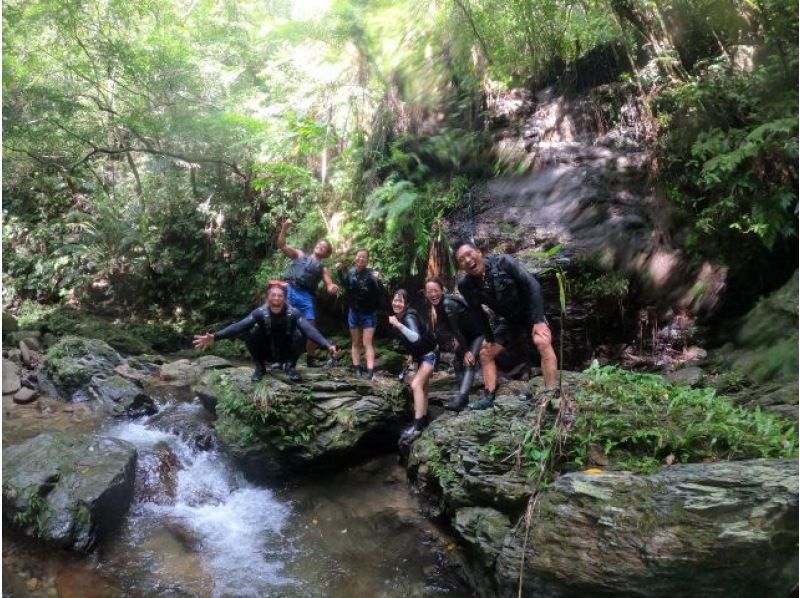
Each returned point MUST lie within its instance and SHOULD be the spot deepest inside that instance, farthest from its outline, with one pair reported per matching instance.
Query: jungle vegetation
(151, 150)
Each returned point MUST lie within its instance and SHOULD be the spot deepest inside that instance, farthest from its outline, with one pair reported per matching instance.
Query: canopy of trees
(152, 149)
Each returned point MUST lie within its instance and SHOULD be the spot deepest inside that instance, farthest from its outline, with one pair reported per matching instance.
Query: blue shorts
(431, 358)
(357, 319)
(301, 299)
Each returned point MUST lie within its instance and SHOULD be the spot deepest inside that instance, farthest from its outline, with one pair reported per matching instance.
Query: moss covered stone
(276, 426)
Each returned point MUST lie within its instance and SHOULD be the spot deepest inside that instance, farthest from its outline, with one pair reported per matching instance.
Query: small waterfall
(192, 508)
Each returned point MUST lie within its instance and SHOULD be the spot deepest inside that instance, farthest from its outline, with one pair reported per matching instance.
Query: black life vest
(305, 273)
(363, 291)
(426, 343)
(268, 320)
(499, 291)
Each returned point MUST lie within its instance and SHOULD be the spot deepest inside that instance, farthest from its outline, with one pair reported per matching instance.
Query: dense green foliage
(640, 422)
(152, 150)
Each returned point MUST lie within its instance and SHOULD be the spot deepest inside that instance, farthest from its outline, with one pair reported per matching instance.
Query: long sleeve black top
(283, 323)
(507, 289)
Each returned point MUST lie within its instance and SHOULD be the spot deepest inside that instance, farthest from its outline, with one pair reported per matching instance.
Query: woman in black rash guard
(454, 321)
(418, 341)
(275, 332)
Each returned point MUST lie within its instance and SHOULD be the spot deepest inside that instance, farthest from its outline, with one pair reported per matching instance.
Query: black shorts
(508, 333)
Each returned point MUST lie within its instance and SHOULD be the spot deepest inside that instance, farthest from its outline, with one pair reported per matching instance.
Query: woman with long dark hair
(418, 340)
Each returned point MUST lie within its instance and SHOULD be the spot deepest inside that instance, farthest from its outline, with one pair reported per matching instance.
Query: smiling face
(433, 292)
(362, 259)
(470, 260)
(276, 299)
(322, 249)
(398, 304)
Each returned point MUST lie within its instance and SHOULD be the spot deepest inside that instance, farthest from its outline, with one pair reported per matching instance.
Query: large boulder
(79, 369)
(713, 528)
(275, 426)
(701, 529)
(69, 366)
(68, 489)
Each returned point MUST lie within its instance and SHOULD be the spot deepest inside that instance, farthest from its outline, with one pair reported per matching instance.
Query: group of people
(278, 331)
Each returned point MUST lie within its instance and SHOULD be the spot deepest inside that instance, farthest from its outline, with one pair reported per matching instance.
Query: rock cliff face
(716, 528)
(578, 175)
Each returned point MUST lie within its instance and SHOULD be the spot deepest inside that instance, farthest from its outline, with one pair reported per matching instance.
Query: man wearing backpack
(515, 296)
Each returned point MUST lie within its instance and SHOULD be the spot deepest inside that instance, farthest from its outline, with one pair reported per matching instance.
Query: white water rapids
(235, 528)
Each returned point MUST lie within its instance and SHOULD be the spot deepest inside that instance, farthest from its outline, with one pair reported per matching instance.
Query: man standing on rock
(515, 296)
(275, 333)
(303, 277)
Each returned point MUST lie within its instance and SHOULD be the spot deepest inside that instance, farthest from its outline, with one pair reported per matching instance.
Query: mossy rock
(69, 490)
(69, 366)
(328, 419)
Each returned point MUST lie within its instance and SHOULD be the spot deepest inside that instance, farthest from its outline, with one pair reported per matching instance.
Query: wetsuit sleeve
(409, 333)
(237, 327)
(410, 328)
(312, 333)
(529, 287)
(467, 290)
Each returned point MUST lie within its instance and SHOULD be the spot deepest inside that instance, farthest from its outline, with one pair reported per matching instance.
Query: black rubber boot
(457, 403)
(259, 372)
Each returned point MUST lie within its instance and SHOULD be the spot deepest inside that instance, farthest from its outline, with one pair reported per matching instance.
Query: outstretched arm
(202, 341)
(287, 250)
(315, 335)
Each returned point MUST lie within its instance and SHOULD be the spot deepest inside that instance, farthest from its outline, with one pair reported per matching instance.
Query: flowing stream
(197, 527)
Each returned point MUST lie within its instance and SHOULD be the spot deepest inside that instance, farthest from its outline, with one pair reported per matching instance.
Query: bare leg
(355, 348)
(419, 388)
(489, 353)
(542, 338)
(368, 334)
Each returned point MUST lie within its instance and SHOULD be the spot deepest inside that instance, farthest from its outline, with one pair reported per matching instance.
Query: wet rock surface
(329, 418)
(67, 489)
(578, 176)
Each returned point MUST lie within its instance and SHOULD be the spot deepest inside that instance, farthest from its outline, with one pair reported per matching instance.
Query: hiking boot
(356, 369)
(369, 374)
(259, 372)
(329, 363)
(311, 362)
(457, 403)
(484, 403)
(276, 365)
(292, 373)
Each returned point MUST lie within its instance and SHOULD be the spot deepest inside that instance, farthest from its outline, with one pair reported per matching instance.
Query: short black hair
(461, 244)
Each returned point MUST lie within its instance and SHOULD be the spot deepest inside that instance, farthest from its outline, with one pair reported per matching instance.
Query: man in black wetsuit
(514, 295)
(275, 332)
(304, 277)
